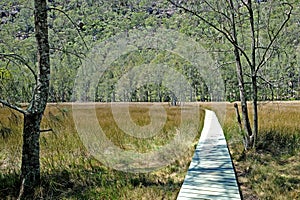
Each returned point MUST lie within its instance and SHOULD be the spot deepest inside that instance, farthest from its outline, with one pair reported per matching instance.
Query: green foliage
(99, 20)
(143, 86)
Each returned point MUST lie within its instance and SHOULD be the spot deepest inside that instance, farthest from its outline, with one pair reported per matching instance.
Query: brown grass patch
(69, 171)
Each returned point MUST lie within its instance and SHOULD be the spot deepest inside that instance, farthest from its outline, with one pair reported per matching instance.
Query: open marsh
(70, 171)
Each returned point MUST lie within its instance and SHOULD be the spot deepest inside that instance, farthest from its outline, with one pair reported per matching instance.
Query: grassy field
(69, 171)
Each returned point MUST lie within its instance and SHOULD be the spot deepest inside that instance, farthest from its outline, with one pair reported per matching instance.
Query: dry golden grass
(140, 115)
(272, 171)
(69, 171)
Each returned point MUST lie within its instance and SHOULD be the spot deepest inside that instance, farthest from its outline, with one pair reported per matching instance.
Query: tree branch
(266, 81)
(68, 52)
(266, 59)
(275, 36)
(245, 4)
(227, 36)
(224, 64)
(16, 108)
(217, 11)
(47, 130)
(75, 25)
(253, 42)
(19, 58)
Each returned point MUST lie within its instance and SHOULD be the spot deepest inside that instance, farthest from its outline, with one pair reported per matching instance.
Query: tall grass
(69, 171)
(272, 170)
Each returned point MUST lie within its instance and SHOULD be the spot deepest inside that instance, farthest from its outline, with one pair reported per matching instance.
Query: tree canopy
(75, 26)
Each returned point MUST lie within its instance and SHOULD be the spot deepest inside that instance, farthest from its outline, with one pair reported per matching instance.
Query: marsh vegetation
(69, 171)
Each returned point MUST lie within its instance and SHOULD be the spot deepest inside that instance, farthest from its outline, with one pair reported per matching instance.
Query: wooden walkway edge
(211, 174)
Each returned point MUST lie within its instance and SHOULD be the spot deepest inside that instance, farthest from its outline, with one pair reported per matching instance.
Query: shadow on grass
(97, 183)
(278, 144)
(9, 185)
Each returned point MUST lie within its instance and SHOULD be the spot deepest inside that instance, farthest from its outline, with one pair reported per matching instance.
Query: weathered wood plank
(211, 174)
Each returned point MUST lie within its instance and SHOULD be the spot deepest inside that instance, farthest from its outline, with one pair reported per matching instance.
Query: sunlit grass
(69, 171)
(272, 171)
(140, 116)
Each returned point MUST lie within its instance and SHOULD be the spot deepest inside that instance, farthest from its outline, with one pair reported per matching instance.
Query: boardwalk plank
(211, 174)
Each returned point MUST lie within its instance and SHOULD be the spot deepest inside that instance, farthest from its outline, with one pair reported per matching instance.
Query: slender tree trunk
(253, 74)
(245, 115)
(240, 75)
(30, 169)
(255, 111)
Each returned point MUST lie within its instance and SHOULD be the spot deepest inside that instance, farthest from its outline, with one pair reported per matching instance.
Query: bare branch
(217, 11)
(275, 37)
(228, 37)
(253, 42)
(266, 81)
(224, 32)
(271, 48)
(266, 59)
(225, 64)
(16, 108)
(21, 189)
(68, 52)
(21, 59)
(245, 4)
(75, 25)
(47, 130)
(258, 30)
(234, 34)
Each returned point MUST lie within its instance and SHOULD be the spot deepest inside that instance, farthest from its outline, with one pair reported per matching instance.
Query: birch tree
(30, 169)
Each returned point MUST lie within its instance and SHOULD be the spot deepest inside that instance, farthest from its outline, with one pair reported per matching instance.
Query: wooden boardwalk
(211, 174)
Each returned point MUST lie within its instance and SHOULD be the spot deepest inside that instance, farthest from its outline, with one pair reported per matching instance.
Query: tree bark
(238, 117)
(240, 75)
(254, 75)
(255, 111)
(30, 169)
(245, 115)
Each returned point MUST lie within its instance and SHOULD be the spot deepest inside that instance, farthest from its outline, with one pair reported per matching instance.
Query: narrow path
(211, 174)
